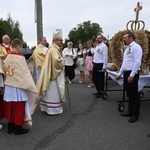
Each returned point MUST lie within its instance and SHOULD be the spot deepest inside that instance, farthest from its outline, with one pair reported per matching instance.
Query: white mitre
(57, 34)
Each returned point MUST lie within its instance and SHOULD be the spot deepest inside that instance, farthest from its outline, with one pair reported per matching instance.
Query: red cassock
(14, 112)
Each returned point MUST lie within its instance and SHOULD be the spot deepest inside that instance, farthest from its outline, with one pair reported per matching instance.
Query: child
(18, 103)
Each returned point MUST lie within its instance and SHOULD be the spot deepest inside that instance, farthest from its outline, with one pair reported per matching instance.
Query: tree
(12, 28)
(83, 32)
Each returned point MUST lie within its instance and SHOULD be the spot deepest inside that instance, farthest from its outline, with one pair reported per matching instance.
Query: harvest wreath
(142, 38)
(117, 48)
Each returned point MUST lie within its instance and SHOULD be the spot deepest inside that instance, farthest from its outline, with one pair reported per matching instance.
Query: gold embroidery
(9, 70)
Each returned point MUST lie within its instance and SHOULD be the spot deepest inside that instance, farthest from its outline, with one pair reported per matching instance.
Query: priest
(1, 92)
(3, 55)
(37, 58)
(51, 85)
(6, 43)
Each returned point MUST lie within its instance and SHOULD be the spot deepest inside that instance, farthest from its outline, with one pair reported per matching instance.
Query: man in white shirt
(99, 67)
(130, 69)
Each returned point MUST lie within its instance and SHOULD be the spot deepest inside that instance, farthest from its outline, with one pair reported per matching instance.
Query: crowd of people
(50, 68)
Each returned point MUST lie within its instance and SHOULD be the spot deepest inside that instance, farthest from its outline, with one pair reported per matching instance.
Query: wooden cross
(137, 9)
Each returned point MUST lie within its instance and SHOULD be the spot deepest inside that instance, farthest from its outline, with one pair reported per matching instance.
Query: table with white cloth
(143, 81)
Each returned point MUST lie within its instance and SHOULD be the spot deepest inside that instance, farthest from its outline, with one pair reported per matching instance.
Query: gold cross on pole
(137, 9)
(136, 24)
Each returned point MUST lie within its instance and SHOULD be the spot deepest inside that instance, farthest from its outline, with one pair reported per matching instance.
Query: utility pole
(39, 19)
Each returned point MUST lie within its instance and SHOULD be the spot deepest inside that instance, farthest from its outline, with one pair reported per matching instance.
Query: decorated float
(142, 38)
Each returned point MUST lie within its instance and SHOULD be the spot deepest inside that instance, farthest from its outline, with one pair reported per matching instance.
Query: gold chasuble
(38, 57)
(18, 75)
(3, 53)
(52, 69)
(1, 67)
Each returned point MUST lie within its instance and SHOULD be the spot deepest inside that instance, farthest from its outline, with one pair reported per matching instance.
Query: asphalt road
(89, 124)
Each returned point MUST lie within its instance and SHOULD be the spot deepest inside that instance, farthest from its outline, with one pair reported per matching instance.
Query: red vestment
(7, 48)
(14, 112)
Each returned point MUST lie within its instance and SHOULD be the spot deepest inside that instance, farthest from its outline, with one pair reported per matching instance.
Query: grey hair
(5, 36)
(70, 43)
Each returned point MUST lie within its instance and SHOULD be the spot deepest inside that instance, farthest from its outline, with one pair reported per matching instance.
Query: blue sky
(112, 15)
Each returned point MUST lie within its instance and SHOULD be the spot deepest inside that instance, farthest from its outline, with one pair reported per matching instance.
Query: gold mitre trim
(57, 34)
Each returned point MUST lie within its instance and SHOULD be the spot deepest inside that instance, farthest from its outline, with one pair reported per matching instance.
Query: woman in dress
(89, 61)
(81, 62)
(69, 54)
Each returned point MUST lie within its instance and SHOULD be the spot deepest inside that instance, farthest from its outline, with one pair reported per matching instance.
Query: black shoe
(133, 119)
(148, 135)
(96, 93)
(10, 128)
(125, 114)
(98, 96)
(19, 130)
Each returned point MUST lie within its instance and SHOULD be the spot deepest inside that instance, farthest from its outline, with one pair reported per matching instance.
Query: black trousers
(70, 73)
(132, 93)
(98, 77)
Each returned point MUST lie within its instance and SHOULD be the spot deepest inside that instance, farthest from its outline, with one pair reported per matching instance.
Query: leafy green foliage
(11, 28)
(84, 32)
